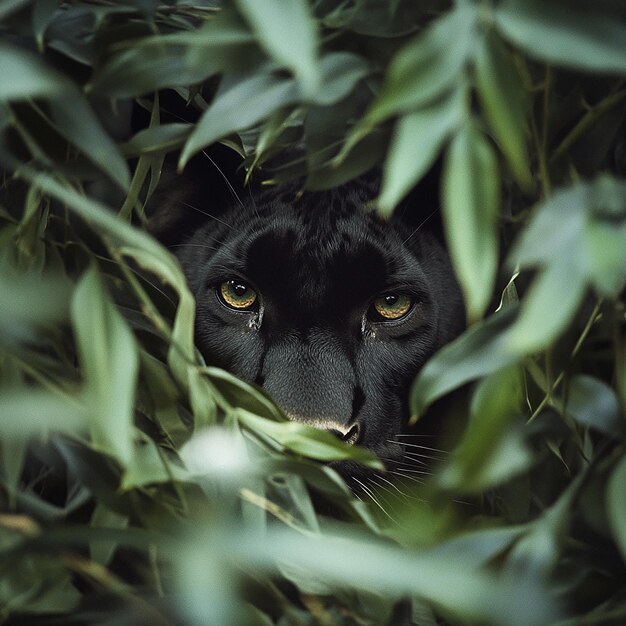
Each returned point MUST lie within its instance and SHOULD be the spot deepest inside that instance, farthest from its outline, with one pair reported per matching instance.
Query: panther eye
(392, 306)
(236, 294)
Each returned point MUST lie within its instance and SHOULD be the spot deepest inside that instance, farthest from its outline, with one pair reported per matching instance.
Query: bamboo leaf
(471, 197)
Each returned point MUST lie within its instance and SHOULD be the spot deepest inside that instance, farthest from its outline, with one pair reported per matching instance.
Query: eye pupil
(391, 306)
(238, 289)
(237, 295)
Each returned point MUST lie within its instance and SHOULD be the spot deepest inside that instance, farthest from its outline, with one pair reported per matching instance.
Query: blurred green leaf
(28, 413)
(479, 351)
(108, 357)
(503, 101)
(471, 196)
(593, 403)
(492, 449)
(549, 305)
(562, 238)
(177, 59)
(25, 76)
(341, 71)
(287, 31)
(417, 140)
(615, 505)
(575, 34)
(427, 66)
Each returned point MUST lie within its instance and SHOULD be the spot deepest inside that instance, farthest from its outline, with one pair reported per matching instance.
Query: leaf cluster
(138, 485)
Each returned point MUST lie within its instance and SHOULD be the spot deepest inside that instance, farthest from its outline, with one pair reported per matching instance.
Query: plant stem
(587, 121)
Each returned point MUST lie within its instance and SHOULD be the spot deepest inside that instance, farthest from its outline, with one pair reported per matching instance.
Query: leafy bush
(140, 486)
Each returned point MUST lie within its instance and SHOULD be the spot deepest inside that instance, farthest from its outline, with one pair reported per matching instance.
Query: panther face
(327, 307)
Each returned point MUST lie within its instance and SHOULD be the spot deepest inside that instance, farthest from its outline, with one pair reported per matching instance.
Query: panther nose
(347, 434)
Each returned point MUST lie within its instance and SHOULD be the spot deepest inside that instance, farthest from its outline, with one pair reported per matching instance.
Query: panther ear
(182, 200)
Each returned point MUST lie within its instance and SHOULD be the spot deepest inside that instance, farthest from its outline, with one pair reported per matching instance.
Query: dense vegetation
(139, 486)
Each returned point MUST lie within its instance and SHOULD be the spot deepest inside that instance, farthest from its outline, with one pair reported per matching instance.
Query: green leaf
(28, 413)
(415, 144)
(287, 31)
(177, 59)
(593, 403)
(492, 450)
(504, 102)
(479, 351)
(548, 306)
(108, 358)
(427, 66)
(238, 107)
(306, 440)
(471, 197)
(341, 71)
(25, 76)
(75, 119)
(157, 139)
(588, 36)
(616, 511)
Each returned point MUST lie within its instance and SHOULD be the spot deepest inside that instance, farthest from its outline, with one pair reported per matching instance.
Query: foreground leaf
(108, 358)
(471, 196)
(575, 34)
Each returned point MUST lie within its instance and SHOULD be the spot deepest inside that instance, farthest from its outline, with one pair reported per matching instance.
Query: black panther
(328, 307)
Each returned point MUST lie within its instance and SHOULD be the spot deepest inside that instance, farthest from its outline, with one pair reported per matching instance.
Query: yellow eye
(392, 306)
(237, 295)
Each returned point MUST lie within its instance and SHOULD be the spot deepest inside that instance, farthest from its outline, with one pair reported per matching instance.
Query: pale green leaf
(238, 107)
(471, 198)
(108, 359)
(593, 403)
(479, 351)
(548, 306)
(417, 140)
(288, 33)
(24, 75)
(427, 66)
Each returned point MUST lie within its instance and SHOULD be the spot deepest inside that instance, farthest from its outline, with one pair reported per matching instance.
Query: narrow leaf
(108, 358)
(471, 196)
(415, 144)
(576, 34)
(287, 31)
(503, 101)
(238, 108)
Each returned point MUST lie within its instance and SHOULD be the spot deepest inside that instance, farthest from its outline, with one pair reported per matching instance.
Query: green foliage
(138, 485)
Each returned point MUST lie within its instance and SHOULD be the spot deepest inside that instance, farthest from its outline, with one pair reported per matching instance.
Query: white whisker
(370, 493)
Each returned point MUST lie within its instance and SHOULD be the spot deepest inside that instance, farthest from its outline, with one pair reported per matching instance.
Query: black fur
(317, 262)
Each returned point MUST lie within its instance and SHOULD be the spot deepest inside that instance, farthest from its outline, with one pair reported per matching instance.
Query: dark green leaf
(616, 510)
(575, 34)
(503, 101)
